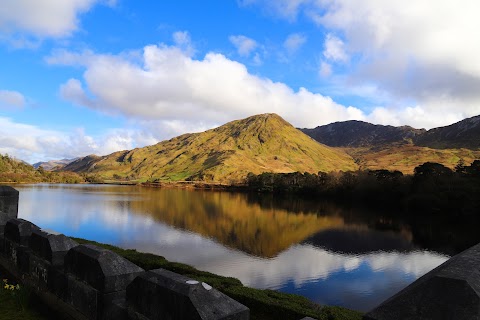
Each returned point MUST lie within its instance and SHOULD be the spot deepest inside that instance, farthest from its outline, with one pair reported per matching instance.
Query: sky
(80, 77)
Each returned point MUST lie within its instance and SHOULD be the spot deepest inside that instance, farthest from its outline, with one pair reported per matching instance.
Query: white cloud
(167, 84)
(183, 41)
(46, 18)
(294, 42)
(325, 69)
(245, 45)
(32, 143)
(335, 49)
(11, 99)
(422, 56)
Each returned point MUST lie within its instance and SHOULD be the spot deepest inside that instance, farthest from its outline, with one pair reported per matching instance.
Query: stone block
(450, 291)
(51, 246)
(102, 269)
(57, 283)
(161, 294)
(39, 270)
(3, 221)
(8, 202)
(83, 297)
(18, 255)
(91, 302)
(19, 231)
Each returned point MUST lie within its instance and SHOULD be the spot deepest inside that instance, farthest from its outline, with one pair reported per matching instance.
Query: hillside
(405, 158)
(361, 134)
(402, 148)
(13, 170)
(262, 143)
(463, 134)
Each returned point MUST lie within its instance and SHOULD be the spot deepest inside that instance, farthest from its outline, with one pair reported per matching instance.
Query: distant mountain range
(261, 143)
(463, 134)
(362, 134)
(53, 164)
(402, 148)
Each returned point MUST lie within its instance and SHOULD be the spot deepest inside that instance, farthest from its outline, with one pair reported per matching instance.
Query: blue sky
(95, 76)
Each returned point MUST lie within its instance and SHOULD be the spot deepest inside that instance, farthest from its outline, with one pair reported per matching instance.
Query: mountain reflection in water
(328, 254)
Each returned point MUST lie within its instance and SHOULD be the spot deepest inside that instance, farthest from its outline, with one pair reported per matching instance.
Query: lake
(331, 255)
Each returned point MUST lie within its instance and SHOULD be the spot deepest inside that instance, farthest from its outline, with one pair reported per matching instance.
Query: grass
(406, 157)
(19, 302)
(263, 304)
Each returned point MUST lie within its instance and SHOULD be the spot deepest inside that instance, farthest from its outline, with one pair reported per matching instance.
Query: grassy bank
(263, 304)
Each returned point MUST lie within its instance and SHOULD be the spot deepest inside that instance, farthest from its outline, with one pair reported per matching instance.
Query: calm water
(328, 254)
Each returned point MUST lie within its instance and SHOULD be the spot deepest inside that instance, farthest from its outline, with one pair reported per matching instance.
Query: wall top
(7, 191)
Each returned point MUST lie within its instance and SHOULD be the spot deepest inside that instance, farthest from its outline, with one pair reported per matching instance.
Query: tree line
(433, 188)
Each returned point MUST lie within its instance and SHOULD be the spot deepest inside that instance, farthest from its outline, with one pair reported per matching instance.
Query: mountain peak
(260, 143)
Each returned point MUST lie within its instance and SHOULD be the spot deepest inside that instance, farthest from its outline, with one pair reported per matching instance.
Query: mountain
(402, 148)
(81, 164)
(53, 164)
(463, 134)
(261, 143)
(361, 134)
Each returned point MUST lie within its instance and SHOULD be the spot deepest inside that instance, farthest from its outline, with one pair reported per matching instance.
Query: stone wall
(88, 282)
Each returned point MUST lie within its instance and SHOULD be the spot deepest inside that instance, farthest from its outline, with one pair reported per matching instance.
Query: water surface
(321, 251)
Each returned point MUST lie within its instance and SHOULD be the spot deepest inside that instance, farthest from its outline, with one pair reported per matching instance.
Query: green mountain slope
(262, 143)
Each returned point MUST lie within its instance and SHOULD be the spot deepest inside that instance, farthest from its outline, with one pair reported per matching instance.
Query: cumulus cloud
(11, 99)
(335, 49)
(167, 84)
(423, 56)
(46, 18)
(245, 45)
(294, 42)
(183, 41)
(32, 143)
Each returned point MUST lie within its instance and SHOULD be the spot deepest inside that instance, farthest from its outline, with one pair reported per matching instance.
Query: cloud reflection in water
(121, 216)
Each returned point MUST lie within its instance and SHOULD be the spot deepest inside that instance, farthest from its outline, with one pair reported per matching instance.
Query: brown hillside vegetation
(405, 158)
(261, 143)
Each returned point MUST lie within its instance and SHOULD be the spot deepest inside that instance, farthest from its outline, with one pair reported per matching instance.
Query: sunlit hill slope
(261, 143)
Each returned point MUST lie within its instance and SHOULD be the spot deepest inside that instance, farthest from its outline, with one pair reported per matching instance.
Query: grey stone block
(451, 291)
(91, 302)
(19, 231)
(18, 255)
(161, 294)
(51, 246)
(3, 221)
(39, 270)
(83, 297)
(100, 268)
(8, 202)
